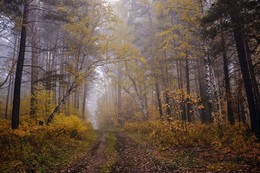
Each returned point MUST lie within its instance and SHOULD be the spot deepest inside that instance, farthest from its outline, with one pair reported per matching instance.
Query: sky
(113, 0)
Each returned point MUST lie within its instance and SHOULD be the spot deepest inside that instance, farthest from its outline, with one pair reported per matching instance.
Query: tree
(84, 44)
(19, 67)
(230, 113)
(235, 13)
(35, 53)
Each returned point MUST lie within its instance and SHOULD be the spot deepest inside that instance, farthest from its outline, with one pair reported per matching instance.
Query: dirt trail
(92, 162)
(136, 158)
(131, 158)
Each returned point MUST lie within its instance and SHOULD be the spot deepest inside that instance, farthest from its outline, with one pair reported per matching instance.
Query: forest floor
(93, 160)
(129, 154)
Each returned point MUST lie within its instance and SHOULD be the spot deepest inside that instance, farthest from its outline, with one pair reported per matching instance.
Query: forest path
(130, 157)
(94, 160)
(133, 157)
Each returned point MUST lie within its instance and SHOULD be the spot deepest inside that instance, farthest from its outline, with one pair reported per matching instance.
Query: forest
(134, 86)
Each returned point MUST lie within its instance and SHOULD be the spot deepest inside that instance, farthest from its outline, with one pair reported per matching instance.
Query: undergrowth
(190, 146)
(166, 134)
(34, 148)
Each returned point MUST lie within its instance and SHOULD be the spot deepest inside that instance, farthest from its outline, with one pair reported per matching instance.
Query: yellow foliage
(33, 145)
(25, 106)
(2, 108)
(166, 134)
(73, 125)
(182, 96)
(44, 105)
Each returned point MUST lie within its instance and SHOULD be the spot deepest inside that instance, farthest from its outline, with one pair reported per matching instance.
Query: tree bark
(205, 114)
(7, 97)
(159, 99)
(188, 89)
(230, 113)
(119, 95)
(138, 98)
(252, 98)
(167, 87)
(182, 105)
(19, 69)
(10, 79)
(245, 61)
(168, 104)
(62, 101)
(34, 70)
(84, 100)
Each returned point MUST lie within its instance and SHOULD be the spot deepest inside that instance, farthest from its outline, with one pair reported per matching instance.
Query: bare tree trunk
(62, 101)
(69, 99)
(75, 100)
(182, 105)
(84, 100)
(34, 59)
(230, 113)
(145, 95)
(188, 105)
(158, 99)
(7, 98)
(10, 79)
(61, 83)
(240, 100)
(138, 98)
(54, 72)
(167, 87)
(19, 69)
(250, 84)
(205, 114)
(119, 95)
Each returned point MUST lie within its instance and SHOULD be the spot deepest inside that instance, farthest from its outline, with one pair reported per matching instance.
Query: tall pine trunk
(84, 100)
(187, 69)
(19, 69)
(10, 78)
(119, 95)
(181, 87)
(34, 70)
(230, 113)
(158, 99)
(250, 84)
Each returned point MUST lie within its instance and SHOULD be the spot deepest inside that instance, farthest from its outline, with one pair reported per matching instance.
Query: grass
(50, 156)
(110, 153)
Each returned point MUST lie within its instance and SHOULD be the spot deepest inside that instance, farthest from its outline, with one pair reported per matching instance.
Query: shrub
(43, 148)
(183, 134)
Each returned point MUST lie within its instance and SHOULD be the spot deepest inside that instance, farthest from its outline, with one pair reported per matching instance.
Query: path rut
(131, 158)
(93, 161)
(136, 158)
